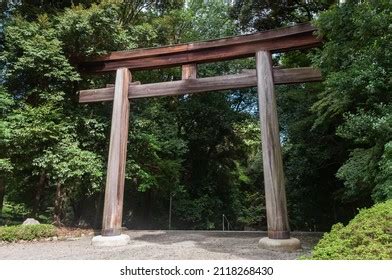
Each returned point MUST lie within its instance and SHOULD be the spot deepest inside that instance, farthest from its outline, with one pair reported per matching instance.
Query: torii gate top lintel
(277, 40)
(260, 45)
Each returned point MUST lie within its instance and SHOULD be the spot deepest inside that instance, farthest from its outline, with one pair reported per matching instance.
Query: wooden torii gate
(261, 45)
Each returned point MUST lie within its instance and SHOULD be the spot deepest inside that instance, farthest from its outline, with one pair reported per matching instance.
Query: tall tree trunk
(58, 205)
(38, 193)
(2, 194)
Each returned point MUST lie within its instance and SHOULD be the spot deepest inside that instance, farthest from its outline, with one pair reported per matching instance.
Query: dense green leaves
(356, 60)
(6, 103)
(336, 135)
(42, 123)
(264, 14)
(34, 62)
(203, 151)
(367, 171)
(26, 232)
(366, 237)
(60, 147)
(93, 31)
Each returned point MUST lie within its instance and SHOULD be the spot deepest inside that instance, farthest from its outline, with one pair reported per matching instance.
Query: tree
(264, 14)
(311, 156)
(46, 124)
(6, 167)
(205, 149)
(356, 60)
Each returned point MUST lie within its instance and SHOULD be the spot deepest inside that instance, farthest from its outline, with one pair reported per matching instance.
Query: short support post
(275, 194)
(114, 191)
(189, 71)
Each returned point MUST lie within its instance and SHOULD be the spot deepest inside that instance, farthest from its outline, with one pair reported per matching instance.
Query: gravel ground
(160, 245)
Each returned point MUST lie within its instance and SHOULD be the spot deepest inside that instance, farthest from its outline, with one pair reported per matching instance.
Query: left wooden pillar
(114, 191)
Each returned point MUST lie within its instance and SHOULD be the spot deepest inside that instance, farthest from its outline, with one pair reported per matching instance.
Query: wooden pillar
(114, 191)
(189, 71)
(275, 194)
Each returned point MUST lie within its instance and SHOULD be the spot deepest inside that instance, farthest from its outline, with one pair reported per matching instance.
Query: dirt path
(167, 245)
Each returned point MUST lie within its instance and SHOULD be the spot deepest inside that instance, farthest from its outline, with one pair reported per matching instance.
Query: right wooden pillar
(275, 193)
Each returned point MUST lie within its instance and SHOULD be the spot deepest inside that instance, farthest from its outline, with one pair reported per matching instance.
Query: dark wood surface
(188, 86)
(115, 178)
(275, 193)
(277, 40)
(131, 83)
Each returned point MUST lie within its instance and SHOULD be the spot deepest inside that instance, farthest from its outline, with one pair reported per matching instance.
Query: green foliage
(356, 61)
(93, 31)
(264, 14)
(13, 214)
(26, 232)
(35, 64)
(201, 150)
(6, 104)
(31, 9)
(356, 58)
(367, 237)
(252, 210)
(335, 134)
(45, 130)
(156, 155)
(59, 147)
(5, 165)
(368, 171)
(206, 17)
(249, 174)
(68, 164)
(383, 189)
(198, 212)
(311, 158)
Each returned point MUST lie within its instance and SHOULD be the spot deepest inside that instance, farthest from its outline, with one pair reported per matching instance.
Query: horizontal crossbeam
(277, 40)
(242, 80)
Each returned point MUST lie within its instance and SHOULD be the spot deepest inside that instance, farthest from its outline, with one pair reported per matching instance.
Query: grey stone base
(110, 241)
(282, 245)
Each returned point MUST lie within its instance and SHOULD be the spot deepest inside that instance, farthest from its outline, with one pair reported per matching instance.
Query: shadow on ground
(162, 245)
(241, 245)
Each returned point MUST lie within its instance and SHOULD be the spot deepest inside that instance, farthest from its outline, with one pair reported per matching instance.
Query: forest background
(203, 151)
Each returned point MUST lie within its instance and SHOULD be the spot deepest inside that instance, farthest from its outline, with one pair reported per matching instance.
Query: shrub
(13, 213)
(367, 237)
(26, 232)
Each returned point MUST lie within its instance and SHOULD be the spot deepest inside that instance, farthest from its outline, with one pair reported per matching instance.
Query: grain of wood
(275, 194)
(188, 86)
(114, 191)
(131, 84)
(189, 71)
(278, 40)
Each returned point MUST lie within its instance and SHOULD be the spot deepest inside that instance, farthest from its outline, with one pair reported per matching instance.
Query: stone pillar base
(283, 245)
(110, 241)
